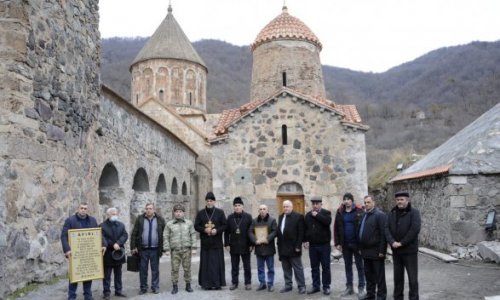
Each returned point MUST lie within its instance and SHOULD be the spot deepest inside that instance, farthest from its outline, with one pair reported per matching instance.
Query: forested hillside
(416, 105)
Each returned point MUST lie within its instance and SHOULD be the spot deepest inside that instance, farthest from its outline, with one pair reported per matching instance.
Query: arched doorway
(291, 191)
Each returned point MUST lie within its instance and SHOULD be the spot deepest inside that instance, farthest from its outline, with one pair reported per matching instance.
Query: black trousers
(235, 268)
(410, 263)
(375, 279)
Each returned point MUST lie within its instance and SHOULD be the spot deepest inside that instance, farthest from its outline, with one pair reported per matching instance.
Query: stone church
(288, 142)
(65, 138)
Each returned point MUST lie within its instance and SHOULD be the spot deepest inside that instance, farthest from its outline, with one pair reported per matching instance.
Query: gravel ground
(438, 280)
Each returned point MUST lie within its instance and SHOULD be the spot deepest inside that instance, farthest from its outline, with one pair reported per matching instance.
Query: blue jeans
(269, 261)
(149, 257)
(87, 290)
(320, 254)
(348, 251)
(106, 282)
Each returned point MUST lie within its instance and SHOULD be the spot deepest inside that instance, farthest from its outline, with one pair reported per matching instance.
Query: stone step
(444, 257)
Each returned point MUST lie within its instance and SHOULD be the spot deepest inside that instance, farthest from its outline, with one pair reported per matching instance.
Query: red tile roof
(286, 27)
(444, 169)
(349, 113)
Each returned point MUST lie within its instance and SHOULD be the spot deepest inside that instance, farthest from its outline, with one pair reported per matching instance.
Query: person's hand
(396, 245)
(208, 231)
(339, 247)
(314, 213)
(306, 245)
(297, 249)
(214, 231)
(116, 246)
(103, 250)
(134, 251)
(68, 254)
(381, 255)
(258, 242)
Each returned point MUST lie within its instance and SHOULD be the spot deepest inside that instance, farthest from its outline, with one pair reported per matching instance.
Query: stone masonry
(453, 208)
(62, 143)
(322, 156)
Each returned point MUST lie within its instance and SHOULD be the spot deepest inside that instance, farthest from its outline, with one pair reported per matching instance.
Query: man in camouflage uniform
(180, 239)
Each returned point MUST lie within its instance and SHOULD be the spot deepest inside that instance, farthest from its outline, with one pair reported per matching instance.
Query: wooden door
(297, 200)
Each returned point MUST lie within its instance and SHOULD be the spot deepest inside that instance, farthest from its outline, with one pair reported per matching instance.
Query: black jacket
(404, 229)
(293, 236)
(317, 229)
(272, 231)
(113, 232)
(136, 238)
(338, 226)
(218, 218)
(372, 242)
(239, 243)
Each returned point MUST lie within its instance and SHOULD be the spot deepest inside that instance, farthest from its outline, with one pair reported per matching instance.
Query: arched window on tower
(162, 95)
(284, 134)
(284, 78)
(190, 98)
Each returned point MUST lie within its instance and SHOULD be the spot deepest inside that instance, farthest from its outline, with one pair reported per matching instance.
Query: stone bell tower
(286, 53)
(169, 70)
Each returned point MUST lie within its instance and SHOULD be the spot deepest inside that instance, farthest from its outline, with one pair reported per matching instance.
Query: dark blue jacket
(75, 222)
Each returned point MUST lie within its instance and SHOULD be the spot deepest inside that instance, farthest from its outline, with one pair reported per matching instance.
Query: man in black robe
(210, 223)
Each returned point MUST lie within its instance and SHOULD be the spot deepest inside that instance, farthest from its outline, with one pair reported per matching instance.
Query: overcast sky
(362, 35)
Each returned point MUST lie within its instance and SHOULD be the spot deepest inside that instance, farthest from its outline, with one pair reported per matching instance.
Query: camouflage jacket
(179, 234)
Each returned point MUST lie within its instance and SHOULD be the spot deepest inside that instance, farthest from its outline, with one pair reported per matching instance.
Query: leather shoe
(270, 288)
(106, 297)
(313, 290)
(142, 292)
(233, 287)
(285, 290)
(302, 290)
(326, 291)
(120, 294)
(156, 291)
(248, 287)
(261, 287)
(188, 288)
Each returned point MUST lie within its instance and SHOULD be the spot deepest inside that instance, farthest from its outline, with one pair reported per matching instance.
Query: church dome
(169, 41)
(286, 27)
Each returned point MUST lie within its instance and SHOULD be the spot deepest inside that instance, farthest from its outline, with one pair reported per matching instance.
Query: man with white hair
(290, 237)
(115, 235)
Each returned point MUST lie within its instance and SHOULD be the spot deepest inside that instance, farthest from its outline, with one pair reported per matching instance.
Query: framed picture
(261, 233)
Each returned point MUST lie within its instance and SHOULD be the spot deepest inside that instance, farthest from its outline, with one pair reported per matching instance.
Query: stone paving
(438, 280)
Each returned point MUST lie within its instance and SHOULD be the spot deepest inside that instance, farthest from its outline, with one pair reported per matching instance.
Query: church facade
(288, 142)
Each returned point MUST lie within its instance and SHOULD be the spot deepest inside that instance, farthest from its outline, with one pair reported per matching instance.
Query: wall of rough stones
(57, 135)
(299, 59)
(453, 208)
(321, 155)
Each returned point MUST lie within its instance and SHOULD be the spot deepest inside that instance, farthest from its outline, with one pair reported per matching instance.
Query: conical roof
(286, 27)
(169, 41)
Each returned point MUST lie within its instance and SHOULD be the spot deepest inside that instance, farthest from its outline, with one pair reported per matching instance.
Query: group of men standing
(359, 233)
(363, 233)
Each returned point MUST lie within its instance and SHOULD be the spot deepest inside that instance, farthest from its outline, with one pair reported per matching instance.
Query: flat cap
(402, 194)
(316, 199)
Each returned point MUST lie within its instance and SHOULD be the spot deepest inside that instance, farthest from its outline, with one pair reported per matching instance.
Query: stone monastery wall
(61, 143)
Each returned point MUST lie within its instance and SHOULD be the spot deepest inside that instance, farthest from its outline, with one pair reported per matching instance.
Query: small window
(284, 78)
(190, 98)
(137, 99)
(284, 135)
